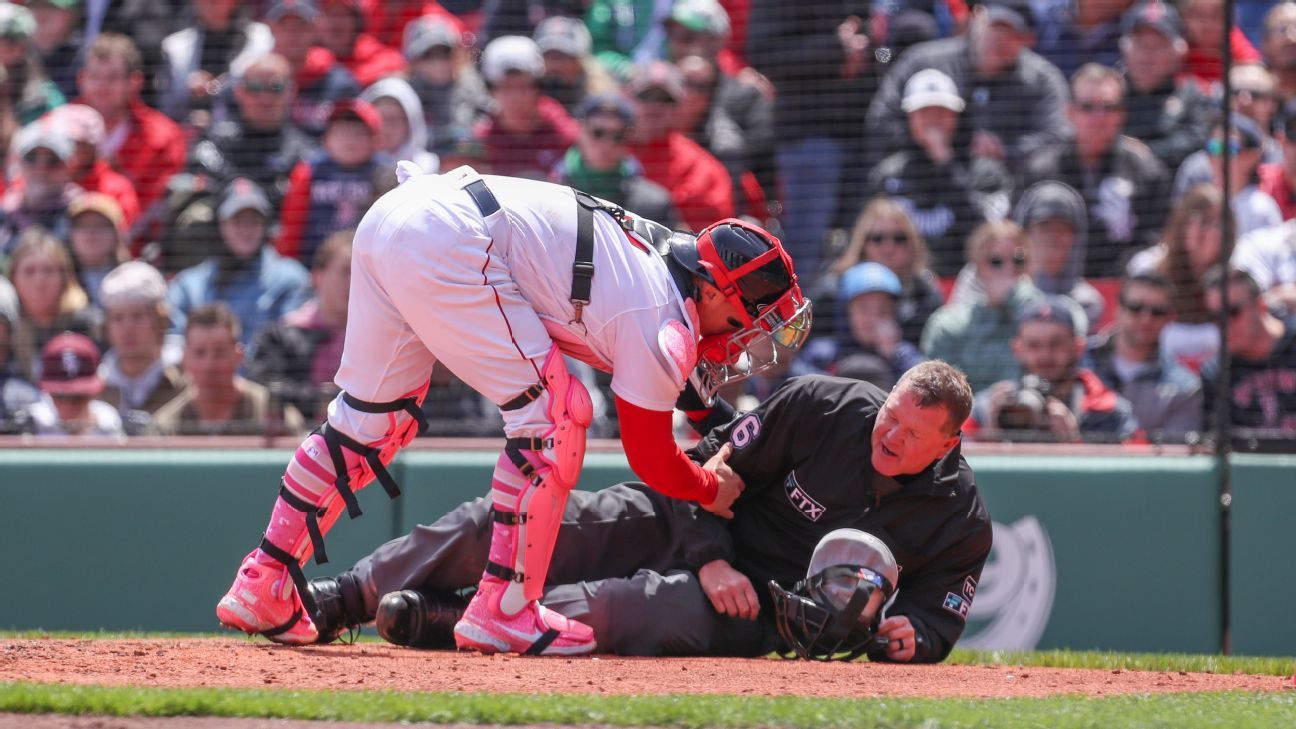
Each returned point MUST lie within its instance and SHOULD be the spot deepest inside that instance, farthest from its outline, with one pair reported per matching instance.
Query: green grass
(1180, 711)
(1255, 665)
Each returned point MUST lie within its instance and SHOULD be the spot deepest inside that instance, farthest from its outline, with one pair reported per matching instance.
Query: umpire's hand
(729, 590)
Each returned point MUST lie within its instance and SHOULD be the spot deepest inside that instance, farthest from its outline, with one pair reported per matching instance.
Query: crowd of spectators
(1032, 190)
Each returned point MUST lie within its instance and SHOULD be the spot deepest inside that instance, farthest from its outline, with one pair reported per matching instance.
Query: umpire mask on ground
(834, 612)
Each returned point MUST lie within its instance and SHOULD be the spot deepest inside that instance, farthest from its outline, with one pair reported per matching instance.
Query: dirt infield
(247, 663)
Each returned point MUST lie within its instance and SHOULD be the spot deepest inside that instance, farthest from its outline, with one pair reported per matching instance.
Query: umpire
(656, 576)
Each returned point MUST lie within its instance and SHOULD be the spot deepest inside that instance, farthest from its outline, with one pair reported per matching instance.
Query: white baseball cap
(930, 87)
(511, 53)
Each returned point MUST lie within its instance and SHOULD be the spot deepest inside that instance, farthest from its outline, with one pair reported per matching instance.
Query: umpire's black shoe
(339, 606)
(419, 619)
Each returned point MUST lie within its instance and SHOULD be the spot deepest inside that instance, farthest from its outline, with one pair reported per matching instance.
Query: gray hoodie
(1050, 200)
(415, 147)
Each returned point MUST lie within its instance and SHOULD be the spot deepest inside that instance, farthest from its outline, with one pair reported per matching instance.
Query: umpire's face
(907, 437)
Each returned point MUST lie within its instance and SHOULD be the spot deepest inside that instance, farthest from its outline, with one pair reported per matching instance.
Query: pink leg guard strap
(326, 466)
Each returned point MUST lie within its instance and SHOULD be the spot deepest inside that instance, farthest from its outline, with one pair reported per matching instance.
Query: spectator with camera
(1262, 380)
(1165, 397)
(1054, 399)
(217, 401)
(1164, 112)
(139, 375)
(973, 331)
(946, 191)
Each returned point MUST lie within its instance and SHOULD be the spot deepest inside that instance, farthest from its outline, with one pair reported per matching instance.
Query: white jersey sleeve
(643, 375)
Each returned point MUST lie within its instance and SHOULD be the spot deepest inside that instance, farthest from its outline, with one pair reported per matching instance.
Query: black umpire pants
(618, 567)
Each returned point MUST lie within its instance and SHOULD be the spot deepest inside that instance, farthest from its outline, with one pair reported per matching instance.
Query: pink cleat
(263, 601)
(535, 631)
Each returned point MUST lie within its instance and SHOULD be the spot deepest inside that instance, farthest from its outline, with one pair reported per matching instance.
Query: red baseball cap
(357, 109)
(70, 366)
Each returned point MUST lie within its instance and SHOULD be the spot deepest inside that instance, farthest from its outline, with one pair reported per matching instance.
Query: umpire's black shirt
(804, 455)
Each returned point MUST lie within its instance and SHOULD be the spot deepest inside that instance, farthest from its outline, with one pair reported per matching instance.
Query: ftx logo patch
(808, 507)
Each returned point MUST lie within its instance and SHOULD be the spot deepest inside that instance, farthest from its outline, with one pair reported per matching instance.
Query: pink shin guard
(538, 473)
(322, 478)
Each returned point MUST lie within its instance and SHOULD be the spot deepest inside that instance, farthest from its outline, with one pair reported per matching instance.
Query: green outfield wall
(1118, 553)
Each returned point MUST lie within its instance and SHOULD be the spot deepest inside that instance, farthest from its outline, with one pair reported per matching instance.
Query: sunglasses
(656, 97)
(1257, 95)
(1093, 108)
(276, 86)
(897, 238)
(1138, 307)
(615, 135)
(1215, 147)
(1018, 260)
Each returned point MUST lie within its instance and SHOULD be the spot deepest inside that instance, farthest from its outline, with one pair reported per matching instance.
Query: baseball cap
(930, 87)
(1053, 309)
(16, 22)
(359, 110)
(702, 16)
(305, 9)
(867, 277)
(242, 194)
(70, 365)
(133, 282)
(97, 202)
(1017, 13)
(565, 35)
(43, 134)
(79, 122)
(1157, 15)
(658, 75)
(610, 102)
(428, 32)
(511, 53)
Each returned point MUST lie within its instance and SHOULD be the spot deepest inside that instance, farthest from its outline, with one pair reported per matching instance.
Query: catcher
(497, 278)
(653, 575)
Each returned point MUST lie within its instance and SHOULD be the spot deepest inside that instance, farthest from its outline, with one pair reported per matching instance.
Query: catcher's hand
(731, 484)
(729, 590)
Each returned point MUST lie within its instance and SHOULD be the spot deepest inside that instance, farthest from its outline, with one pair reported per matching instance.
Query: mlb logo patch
(957, 605)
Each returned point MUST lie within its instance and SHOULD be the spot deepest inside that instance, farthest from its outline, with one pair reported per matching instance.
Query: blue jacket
(258, 293)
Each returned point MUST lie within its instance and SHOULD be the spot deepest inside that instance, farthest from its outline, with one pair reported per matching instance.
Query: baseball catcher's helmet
(751, 269)
(834, 612)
